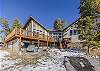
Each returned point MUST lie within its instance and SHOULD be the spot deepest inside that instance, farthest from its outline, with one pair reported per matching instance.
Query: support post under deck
(38, 43)
(47, 41)
(20, 40)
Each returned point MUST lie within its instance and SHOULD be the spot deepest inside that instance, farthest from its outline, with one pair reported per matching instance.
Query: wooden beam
(47, 44)
(38, 43)
(54, 42)
(47, 41)
(20, 40)
(60, 45)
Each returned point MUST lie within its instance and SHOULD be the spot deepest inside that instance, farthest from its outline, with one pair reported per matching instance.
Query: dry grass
(29, 58)
(26, 57)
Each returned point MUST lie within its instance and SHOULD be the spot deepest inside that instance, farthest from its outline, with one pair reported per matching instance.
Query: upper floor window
(75, 32)
(59, 33)
(71, 32)
(97, 20)
(34, 29)
(59, 36)
(55, 33)
(40, 31)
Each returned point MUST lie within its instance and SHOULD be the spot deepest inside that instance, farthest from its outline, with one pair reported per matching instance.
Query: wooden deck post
(38, 43)
(47, 44)
(54, 42)
(20, 40)
(60, 45)
(47, 41)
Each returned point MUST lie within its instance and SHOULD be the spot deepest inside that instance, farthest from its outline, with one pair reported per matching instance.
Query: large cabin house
(36, 35)
(33, 33)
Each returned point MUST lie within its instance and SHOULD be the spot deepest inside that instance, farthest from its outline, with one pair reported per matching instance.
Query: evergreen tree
(89, 7)
(5, 25)
(87, 23)
(16, 23)
(87, 33)
(58, 24)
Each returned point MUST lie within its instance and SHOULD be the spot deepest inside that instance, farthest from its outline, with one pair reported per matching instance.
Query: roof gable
(71, 24)
(31, 18)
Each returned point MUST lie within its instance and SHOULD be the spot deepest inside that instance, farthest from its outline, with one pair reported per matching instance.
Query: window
(34, 30)
(97, 20)
(75, 32)
(71, 33)
(55, 34)
(59, 33)
(37, 30)
(59, 36)
(29, 27)
(40, 31)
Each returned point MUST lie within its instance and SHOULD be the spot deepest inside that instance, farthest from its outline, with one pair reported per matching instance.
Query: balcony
(21, 33)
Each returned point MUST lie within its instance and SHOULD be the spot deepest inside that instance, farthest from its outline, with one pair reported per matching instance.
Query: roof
(71, 24)
(31, 18)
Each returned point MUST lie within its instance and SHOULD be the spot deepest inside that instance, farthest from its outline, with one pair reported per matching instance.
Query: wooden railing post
(38, 40)
(54, 42)
(47, 41)
(20, 40)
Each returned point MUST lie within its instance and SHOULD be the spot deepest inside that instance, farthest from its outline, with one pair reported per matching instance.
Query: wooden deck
(23, 34)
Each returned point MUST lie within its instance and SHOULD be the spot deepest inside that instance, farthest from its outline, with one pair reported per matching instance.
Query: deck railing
(28, 34)
(11, 34)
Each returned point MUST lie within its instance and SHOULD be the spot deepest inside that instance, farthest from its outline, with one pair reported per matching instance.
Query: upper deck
(27, 35)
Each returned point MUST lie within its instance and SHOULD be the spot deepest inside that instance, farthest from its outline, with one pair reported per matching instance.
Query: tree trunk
(88, 50)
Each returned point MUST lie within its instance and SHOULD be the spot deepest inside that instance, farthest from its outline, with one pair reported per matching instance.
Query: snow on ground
(53, 62)
(4, 60)
(58, 53)
(3, 54)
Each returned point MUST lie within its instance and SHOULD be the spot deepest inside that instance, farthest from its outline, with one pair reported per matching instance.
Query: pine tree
(58, 24)
(16, 23)
(5, 25)
(87, 22)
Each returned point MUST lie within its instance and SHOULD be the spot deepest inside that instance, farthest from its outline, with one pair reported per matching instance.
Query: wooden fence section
(18, 32)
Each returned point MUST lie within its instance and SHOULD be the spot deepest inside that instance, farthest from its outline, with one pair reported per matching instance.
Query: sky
(44, 11)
